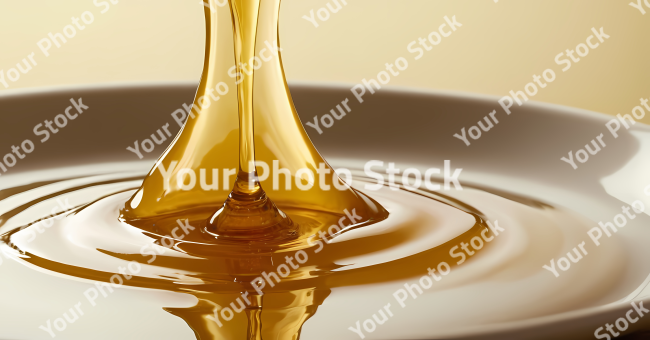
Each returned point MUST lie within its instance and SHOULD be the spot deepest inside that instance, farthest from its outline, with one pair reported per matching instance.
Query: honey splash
(242, 232)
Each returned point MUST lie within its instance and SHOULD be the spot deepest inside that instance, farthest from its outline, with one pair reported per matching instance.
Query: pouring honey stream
(259, 124)
(260, 255)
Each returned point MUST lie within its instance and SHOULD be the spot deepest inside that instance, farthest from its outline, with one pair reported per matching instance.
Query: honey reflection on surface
(244, 231)
(218, 275)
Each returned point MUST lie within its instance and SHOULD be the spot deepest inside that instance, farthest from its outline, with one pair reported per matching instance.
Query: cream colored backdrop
(498, 49)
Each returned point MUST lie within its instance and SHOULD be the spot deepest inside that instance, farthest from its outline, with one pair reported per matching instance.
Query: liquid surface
(198, 254)
(354, 275)
(243, 237)
(239, 233)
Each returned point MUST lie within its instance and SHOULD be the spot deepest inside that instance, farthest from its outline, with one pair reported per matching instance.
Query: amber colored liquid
(260, 123)
(246, 223)
(248, 228)
(243, 230)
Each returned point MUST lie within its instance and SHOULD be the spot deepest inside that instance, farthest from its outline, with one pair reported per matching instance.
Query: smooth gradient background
(498, 49)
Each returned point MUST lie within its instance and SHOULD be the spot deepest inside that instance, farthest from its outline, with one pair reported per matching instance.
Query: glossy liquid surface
(360, 268)
(241, 231)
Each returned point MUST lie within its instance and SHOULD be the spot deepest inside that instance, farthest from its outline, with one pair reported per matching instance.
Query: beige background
(498, 49)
